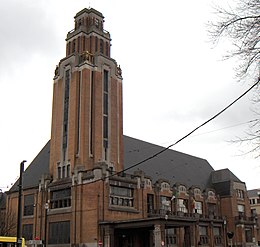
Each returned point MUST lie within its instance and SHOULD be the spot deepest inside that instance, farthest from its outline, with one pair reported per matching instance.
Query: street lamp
(46, 206)
(19, 217)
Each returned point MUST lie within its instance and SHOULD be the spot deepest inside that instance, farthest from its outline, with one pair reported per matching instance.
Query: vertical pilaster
(108, 237)
(157, 233)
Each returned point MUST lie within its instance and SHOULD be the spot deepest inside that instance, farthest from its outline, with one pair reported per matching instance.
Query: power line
(181, 139)
(204, 133)
(191, 132)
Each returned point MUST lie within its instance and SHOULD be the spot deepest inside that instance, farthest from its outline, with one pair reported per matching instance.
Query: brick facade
(87, 199)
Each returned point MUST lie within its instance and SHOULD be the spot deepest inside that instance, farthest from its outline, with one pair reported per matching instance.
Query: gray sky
(174, 78)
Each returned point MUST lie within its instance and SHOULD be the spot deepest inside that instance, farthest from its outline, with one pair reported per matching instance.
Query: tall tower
(87, 126)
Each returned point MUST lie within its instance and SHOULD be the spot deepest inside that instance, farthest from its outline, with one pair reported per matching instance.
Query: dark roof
(223, 175)
(174, 166)
(253, 193)
(38, 167)
(222, 181)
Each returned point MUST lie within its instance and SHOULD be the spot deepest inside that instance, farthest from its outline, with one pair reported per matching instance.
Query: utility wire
(204, 133)
(181, 139)
(191, 132)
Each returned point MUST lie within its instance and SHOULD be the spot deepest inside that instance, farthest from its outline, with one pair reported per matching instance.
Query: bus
(10, 242)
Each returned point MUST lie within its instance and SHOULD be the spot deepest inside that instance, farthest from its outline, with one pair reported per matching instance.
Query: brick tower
(87, 123)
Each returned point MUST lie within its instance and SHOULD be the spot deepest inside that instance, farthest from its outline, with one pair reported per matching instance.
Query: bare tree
(7, 224)
(7, 218)
(241, 24)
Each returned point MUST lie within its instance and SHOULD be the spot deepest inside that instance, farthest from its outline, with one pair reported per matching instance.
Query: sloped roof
(224, 175)
(174, 166)
(253, 193)
(38, 167)
(222, 181)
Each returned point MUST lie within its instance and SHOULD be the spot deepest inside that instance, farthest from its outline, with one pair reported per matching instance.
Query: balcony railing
(179, 214)
(244, 218)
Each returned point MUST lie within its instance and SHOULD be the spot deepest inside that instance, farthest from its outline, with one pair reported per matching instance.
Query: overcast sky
(173, 78)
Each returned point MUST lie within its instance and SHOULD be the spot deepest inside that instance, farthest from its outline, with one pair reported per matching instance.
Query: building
(92, 186)
(254, 199)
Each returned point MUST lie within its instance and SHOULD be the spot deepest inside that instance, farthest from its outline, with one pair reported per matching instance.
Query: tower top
(88, 11)
(87, 21)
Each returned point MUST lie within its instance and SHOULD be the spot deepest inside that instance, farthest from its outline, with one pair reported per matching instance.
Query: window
(182, 205)
(79, 23)
(105, 112)
(171, 236)
(66, 110)
(249, 235)
(59, 172)
(107, 49)
(28, 205)
(78, 44)
(198, 207)
(101, 46)
(96, 44)
(165, 204)
(69, 48)
(165, 186)
(121, 196)
(182, 189)
(217, 235)
(197, 192)
(73, 45)
(59, 232)
(212, 209)
(240, 194)
(211, 194)
(150, 203)
(253, 212)
(241, 210)
(27, 231)
(203, 235)
(252, 201)
(96, 22)
(84, 43)
(61, 198)
(63, 171)
(68, 170)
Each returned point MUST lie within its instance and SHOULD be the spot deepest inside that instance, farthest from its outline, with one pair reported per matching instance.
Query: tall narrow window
(69, 48)
(63, 171)
(84, 43)
(27, 231)
(107, 49)
(68, 170)
(91, 113)
(96, 44)
(73, 45)
(150, 203)
(78, 44)
(59, 172)
(90, 44)
(101, 47)
(78, 112)
(59, 232)
(66, 111)
(105, 112)
(28, 205)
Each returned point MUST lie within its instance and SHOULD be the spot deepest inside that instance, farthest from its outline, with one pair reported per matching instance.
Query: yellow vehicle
(10, 242)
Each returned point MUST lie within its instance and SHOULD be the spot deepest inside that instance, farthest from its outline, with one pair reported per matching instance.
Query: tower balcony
(87, 30)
